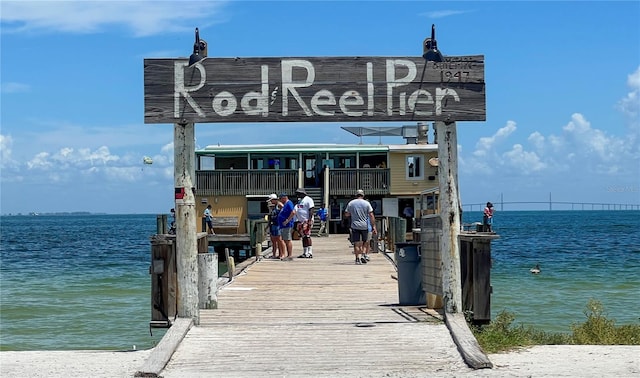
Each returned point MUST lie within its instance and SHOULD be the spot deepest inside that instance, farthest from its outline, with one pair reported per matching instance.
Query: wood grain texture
(314, 89)
(320, 317)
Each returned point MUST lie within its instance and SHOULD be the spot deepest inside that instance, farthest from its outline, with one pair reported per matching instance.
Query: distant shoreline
(62, 213)
(76, 213)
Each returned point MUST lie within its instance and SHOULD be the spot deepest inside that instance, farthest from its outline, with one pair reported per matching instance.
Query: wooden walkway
(320, 317)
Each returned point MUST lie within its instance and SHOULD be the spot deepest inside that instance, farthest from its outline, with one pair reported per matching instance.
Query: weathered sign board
(317, 89)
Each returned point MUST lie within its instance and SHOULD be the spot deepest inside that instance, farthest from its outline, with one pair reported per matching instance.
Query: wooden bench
(226, 222)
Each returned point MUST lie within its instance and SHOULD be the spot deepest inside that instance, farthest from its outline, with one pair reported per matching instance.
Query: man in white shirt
(304, 216)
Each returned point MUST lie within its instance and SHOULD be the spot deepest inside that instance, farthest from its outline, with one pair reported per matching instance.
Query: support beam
(186, 231)
(449, 202)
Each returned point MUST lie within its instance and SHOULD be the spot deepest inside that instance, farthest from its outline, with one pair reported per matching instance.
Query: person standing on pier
(487, 218)
(358, 210)
(304, 216)
(274, 229)
(209, 219)
(322, 215)
(172, 222)
(285, 223)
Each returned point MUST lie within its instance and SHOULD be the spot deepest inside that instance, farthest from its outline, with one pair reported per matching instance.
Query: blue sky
(562, 90)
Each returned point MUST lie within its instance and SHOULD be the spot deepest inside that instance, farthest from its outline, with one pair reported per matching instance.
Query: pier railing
(375, 181)
(245, 181)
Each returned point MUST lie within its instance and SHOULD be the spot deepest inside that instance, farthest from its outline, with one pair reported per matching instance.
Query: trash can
(408, 259)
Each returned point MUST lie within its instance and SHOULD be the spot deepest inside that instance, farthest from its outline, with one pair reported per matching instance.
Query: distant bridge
(551, 205)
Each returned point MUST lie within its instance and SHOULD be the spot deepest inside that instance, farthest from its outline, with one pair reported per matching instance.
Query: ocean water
(82, 282)
(76, 282)
(583, 255)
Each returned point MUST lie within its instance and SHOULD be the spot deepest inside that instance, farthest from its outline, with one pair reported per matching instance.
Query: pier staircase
(316, 194)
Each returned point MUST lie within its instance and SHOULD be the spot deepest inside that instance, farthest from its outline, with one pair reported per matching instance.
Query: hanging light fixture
(199, 50)
(430, 50)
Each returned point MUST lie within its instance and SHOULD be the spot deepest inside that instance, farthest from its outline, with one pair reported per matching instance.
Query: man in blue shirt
(285, 222)
(322, 214)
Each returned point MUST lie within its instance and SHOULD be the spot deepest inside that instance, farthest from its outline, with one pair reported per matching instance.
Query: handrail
(342, 181)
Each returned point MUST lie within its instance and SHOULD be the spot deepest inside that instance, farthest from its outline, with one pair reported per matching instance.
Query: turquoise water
(76, 282)
(582, 254)
(82, 282)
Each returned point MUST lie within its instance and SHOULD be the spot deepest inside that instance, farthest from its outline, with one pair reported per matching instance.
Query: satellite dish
(147, 160)
(434, 162)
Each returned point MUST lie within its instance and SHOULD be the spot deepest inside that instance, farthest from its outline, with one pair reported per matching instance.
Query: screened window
(415, 167)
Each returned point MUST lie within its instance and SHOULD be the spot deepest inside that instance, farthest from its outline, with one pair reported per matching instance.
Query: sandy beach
(71, 363)
(538, 361)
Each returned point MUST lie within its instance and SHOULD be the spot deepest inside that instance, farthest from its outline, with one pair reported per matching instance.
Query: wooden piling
(207, 280)
(449, 202)
(186, 239)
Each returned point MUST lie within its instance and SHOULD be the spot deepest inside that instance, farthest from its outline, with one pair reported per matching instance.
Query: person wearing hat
(304, 219)
(274, 229)
(360, 213)
(285, 223)
(487, 219)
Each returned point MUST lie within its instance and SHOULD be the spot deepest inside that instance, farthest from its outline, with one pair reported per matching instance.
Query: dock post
(207, 280)
(186, 231)
(450, 213)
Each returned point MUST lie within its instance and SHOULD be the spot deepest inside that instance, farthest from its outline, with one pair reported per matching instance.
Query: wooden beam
(186, 231)
(450, 213)
(162, 353)
(467, 344)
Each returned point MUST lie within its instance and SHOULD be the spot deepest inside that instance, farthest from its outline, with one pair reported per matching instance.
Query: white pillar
(449, 202)
(186, 231)
(207, 280)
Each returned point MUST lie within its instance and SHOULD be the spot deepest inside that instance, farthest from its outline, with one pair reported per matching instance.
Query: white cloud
(442, 13)
(40, 161)
(630, 107)
(167, 148)
(523, 161)
(6, 146)
(579, 149)
(588, 141)
(486, 144)
(144, 18)
(13, 87)
(537, 140)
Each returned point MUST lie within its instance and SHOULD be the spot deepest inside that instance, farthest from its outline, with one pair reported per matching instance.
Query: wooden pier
(324, 316)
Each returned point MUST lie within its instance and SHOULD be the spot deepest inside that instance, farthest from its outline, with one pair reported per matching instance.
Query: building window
(207, 163)
(415, 168)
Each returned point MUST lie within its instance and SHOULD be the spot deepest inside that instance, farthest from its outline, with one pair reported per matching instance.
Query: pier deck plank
(316, 317)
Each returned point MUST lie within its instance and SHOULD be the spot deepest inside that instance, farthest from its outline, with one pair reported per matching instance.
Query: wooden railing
(245, 181)
(374, 181)
(371, 180)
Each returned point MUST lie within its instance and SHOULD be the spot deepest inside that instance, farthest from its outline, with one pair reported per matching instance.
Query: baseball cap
(283, 195)
(360, 192)
(301, 191)
(272, 196)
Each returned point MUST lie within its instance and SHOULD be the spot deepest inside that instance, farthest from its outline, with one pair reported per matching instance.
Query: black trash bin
(408, 259)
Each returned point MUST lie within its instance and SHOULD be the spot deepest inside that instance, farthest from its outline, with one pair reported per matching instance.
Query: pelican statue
(535, 269)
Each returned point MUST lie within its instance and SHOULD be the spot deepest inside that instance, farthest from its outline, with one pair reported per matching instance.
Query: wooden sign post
(450, 215)
(186, 227)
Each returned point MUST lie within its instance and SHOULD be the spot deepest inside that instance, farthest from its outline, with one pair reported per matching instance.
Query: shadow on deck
(324, 316)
